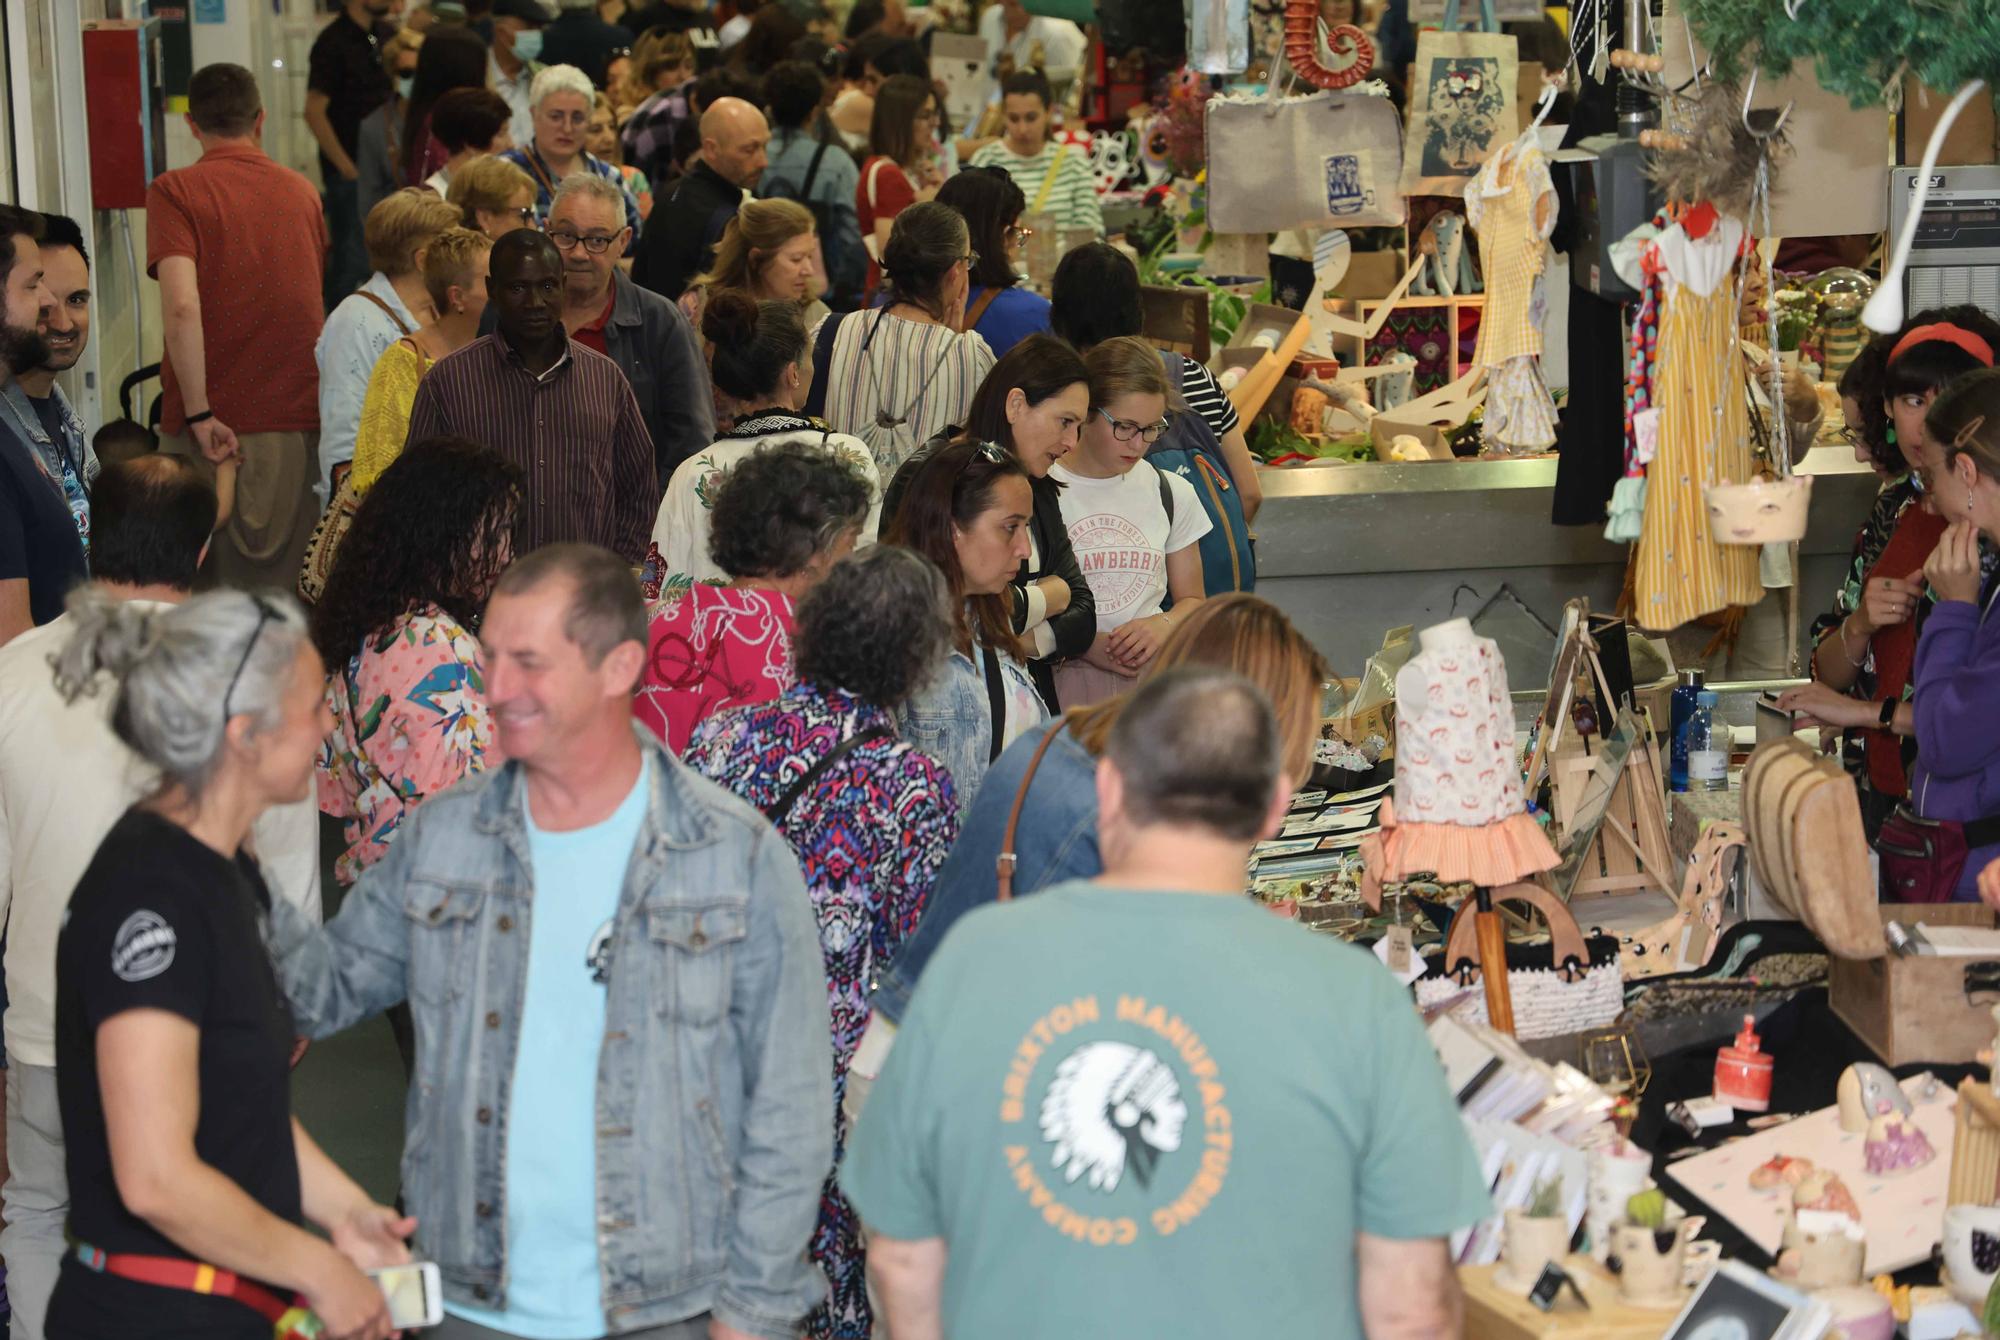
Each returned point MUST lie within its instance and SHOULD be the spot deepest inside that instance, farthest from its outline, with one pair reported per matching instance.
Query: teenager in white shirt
(1134, 528)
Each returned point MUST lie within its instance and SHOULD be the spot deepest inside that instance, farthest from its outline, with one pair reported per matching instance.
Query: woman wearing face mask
(1861, 666)
(760, 361)
(1957, 700)
(378, 140)
(768, 250)
(1033, 403)
(995, 305)
(1135, 528)
(1055, 178)
(562, 98)
(967, 510)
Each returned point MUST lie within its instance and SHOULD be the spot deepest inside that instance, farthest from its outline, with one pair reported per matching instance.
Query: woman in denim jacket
(968, 510)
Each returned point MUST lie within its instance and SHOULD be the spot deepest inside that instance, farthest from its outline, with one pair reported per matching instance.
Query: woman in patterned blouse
(396, 627)
(870, 817)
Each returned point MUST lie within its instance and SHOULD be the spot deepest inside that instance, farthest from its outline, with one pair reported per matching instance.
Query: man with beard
(558, 409)
(41, 552)
(31, 404)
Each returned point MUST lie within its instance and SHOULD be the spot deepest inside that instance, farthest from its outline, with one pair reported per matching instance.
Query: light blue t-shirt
(553, 1288)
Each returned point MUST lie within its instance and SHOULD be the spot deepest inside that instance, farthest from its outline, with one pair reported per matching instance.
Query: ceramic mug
(1526, 1245)
(1649, 1273)
(1971, 1239)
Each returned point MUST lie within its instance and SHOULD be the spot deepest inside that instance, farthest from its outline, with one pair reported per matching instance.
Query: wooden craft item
(1350, 55)
(1803, 817)
(1492, 933)
(1572, 955)
(1975, 1147)
(1697, 918)
(1918, 1007)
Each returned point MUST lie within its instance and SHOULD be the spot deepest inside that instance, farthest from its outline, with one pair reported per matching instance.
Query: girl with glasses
(991, 204)
(1134, 528)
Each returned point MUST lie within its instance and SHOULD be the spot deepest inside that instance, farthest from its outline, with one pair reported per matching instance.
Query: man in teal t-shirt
(1141, 1105)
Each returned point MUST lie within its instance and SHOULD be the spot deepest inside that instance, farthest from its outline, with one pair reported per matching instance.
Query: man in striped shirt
(560, 411)
(1055, 178)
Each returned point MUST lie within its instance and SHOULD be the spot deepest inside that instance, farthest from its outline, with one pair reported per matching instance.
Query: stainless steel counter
(1349, 551)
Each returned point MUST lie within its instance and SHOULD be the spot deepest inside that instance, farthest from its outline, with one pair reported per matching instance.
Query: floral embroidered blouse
(409, 720)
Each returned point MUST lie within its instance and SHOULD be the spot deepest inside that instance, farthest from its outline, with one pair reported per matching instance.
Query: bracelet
(192, 419)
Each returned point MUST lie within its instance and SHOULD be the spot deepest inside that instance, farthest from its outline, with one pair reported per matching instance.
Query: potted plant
(1648, 1253)
(1531, 1238)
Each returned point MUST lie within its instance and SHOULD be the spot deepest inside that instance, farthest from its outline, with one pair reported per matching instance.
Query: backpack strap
(778, 810)
(815, 406)
(1166, 495)
(812, 172)
(996, 704)
(1003, 866)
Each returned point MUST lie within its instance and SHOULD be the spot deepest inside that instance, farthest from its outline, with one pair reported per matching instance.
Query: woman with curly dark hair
(781, 517)
(870, 817)
(396, 629)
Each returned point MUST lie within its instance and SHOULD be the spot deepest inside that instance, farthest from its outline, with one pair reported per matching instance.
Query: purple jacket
(1958, 725)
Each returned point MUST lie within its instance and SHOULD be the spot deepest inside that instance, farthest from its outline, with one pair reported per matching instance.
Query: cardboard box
(1385, 428)
(1918, 1008)
(1371, 274)
(1971, 139)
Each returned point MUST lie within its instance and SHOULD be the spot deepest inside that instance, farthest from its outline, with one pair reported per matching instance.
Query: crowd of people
(697, 593)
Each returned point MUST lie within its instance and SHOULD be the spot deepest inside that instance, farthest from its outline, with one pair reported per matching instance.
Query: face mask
(528, 44)
(405, 86)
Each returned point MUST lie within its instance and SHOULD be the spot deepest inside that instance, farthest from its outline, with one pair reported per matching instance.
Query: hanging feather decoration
(1715, 156)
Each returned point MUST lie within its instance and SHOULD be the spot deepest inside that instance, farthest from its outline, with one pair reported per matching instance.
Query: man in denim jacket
(622, 1109)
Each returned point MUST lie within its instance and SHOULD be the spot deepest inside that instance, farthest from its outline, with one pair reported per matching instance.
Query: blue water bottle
(1679, 714)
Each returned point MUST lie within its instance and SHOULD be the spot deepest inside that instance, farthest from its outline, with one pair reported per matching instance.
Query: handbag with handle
(1330, 160)
(1807, 845)
(1570, 984)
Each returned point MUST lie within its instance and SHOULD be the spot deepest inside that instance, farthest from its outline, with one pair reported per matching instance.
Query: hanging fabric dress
(1511, 201)
(1704, 429)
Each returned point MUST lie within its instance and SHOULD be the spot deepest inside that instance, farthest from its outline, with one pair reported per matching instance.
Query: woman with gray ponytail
(189, 1177)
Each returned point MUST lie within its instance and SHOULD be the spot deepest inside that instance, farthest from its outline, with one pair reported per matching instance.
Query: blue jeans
(346, 257)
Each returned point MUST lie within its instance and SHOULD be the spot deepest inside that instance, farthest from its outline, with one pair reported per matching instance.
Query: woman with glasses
(901, 373)
(769, 251)
(561, 98)
(493, 196)
(601, 139)
(991, 204)
(901, 167)
(190, 1180)
(1134, 528)
(1055, 177)
(1863, 660)
(968, 510)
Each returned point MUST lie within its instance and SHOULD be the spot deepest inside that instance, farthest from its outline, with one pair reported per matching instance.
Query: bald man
(681, 234)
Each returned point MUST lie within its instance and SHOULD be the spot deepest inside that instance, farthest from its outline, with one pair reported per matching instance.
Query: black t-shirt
(38, 538)
(162, 921)
(346, 65)
(697, 24)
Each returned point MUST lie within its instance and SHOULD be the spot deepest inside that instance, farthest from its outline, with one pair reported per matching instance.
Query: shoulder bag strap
(812, 172)
(1003, 866)
(1049, 179)
(387, 310)
(815, 406)
(780, 809)
(979, 306)
(996, 703)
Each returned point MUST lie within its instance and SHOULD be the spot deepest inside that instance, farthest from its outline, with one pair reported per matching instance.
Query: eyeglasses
(1017, 234)
(575, 120)
(1125, 430)
(971, 259)
(595, 244)
(526, 214)
(989, 452)
(1846, 436)
(266, 612)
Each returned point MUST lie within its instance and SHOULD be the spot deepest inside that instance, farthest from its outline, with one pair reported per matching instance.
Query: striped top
(575, 432)
(914, 380)
(1072, 199)
(1205, 396)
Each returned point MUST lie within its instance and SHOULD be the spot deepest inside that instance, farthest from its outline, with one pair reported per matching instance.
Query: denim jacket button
(505, 923)
(483, 1210)
(480, 1292)
(437, 912)
(493, 1018)
(698, 939)
(485, 1116)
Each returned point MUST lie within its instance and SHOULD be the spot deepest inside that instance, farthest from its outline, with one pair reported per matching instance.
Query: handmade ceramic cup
(1649, 1264)
(1614, 1180)
(1971, 1251)
(1526, 1245)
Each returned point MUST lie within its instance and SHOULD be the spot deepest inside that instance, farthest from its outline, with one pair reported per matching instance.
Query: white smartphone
(412, 1291)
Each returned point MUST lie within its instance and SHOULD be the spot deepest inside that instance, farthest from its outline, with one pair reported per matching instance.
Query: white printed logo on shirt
(143, 947)
(1117, 561)
(1112, 1108)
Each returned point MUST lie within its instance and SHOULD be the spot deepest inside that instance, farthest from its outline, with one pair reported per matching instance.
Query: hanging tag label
(1645, 435)
(1400, 949)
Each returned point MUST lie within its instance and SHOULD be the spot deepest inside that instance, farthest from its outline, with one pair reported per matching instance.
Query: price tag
(1645, 435)
(1400, 950)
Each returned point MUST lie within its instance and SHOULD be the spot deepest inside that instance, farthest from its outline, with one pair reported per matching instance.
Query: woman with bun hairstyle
(996, 305)
(760, 359)
(173, 1038)
(901, 373)
(769, 250)
(967, 510)
(1033, 403)
(1862, 664)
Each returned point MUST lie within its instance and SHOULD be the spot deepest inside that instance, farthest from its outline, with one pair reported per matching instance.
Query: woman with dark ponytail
(761, 364)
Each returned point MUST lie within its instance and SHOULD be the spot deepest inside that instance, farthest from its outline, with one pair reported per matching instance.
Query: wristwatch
(1889, 707)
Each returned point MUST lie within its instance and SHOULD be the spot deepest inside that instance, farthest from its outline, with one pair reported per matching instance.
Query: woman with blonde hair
(494, 196)
(769, 251)
(455, 278)
(1051, 773)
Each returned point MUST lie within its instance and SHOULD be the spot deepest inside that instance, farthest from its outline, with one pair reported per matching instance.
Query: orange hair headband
(1944, 333)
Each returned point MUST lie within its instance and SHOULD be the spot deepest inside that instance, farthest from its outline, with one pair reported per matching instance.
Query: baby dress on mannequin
(1512, 202)
(1704, 430)
(1458, 811)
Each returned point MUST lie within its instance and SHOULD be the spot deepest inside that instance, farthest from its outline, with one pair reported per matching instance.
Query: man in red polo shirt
(238, 244)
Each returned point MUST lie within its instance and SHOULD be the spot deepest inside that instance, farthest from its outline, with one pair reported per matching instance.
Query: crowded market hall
(579, 578)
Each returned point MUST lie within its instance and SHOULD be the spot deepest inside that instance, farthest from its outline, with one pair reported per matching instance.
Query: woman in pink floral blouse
(397, 627)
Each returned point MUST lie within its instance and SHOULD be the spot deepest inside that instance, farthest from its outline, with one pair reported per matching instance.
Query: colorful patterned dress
(409, 720)
(870, 835)
(709, 648)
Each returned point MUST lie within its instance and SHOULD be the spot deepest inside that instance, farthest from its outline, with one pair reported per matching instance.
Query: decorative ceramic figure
(1821, 1249)
(1859, 1313)
(1779, 1172)
(1895, 1145)
(1743, 1071)
(1867, 1091)
(1649, 1264)
(1971, 1252)
(1818, 1190)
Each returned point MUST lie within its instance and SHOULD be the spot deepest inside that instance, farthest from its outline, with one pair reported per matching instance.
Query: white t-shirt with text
(1122, 535)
